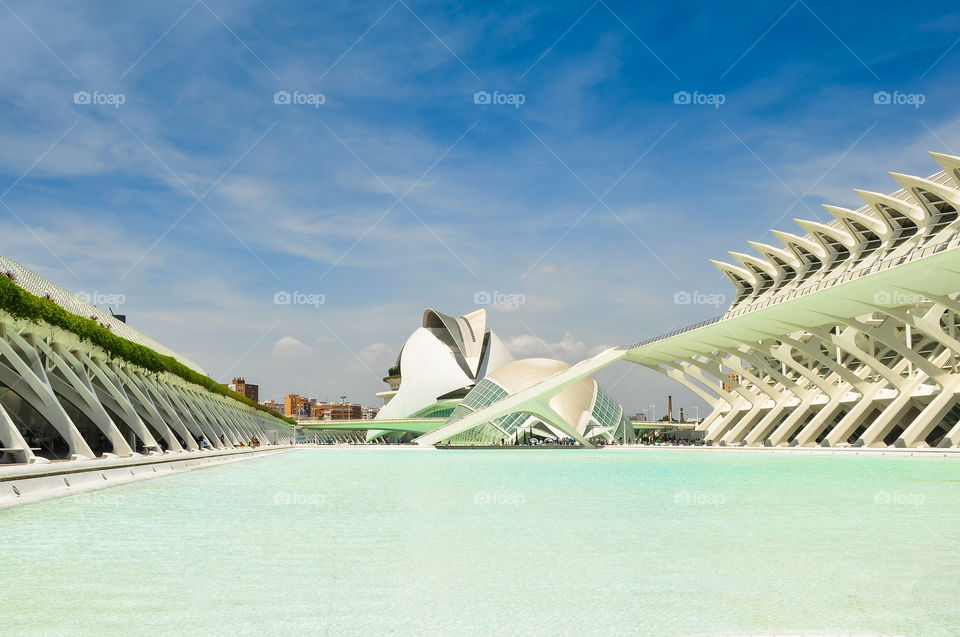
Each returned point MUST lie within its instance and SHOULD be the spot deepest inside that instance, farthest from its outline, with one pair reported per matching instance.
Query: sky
(277, 190)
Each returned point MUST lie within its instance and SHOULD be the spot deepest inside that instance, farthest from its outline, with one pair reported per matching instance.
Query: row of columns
(827, 385)
(45, 366)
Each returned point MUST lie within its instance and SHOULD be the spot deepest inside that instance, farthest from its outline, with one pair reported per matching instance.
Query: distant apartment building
(274, 405)
(297, 406)
(369, 413)
(338, 411)
(301, 407)
(242, 387)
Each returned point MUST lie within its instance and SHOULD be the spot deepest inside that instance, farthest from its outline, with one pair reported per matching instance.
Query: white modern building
(451, 366)
(439, 363)
(63, 397)
(582, 412)
(848, 333)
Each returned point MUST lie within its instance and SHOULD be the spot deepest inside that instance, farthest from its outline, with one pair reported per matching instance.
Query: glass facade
(439, 413)
(609, 416)
(607, 420)
(624, 431)
(511, 422)
(606, 411)
(485, 393)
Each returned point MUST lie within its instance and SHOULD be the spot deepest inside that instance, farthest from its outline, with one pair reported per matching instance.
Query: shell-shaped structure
(440, 363)
(582, 411)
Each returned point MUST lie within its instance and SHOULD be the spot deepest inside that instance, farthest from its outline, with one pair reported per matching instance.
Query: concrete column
(90, 371)
(79, 392)
(889, 417)
(151, 412)
(12, 439)
(162, 401)
(836, 394)
(207, 411)
(742, 399)
(189, 415)
(116, 392)
(28, 377)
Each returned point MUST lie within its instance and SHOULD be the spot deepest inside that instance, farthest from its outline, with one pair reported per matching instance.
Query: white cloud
(289, 347)
(299, 198)
(376, 353)
(568, 348)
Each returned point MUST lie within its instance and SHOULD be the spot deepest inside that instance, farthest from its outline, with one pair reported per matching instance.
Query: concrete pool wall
(20, 484)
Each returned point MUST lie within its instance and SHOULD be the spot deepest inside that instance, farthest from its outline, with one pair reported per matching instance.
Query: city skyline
(176, 164)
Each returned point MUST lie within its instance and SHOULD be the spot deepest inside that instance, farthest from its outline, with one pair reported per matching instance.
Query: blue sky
(595, 201)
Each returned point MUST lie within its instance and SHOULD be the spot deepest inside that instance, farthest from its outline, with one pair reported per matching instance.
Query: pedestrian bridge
(411, 425)
(846, 336)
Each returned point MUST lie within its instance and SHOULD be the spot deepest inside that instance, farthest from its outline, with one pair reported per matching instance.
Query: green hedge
(21, 304)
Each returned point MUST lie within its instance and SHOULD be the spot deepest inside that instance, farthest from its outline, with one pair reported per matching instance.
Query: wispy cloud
(198, 81)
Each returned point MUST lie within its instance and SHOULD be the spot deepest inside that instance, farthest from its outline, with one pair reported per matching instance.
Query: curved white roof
(444, 355)
(854, 240)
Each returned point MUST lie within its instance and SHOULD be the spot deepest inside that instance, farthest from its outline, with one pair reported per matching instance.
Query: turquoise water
(402, 541)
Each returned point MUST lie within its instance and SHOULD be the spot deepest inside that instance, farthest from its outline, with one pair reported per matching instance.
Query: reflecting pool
(408, 541)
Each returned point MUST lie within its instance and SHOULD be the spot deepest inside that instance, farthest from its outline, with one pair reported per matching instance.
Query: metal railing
(682, 330)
